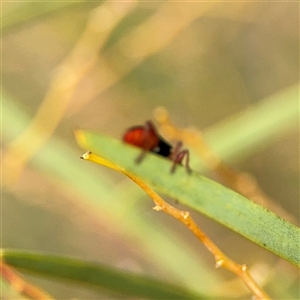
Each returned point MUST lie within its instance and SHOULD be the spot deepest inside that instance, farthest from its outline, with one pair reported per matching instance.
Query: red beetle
(147, 138)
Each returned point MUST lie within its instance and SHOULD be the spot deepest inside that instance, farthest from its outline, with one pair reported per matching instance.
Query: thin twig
(184, 217)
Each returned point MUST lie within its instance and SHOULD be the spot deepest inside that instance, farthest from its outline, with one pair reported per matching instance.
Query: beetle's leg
(177, 157)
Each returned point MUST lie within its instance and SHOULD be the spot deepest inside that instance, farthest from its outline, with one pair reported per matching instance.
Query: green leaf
(96, 275)
(203, 195)
(258, 126)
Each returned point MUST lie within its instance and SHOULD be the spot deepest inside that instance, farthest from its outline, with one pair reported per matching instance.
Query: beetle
(147, 138)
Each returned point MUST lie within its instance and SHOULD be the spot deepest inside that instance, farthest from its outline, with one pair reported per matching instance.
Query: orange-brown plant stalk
(184, 217)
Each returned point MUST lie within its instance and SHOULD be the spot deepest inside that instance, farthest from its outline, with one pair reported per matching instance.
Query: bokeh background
(106, 66)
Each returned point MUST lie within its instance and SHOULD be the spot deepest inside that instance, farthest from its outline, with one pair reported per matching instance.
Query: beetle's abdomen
(138, 136)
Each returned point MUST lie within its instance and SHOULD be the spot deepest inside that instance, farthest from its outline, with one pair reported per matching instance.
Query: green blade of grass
(96, 276)
(260, 125)
(203, 195)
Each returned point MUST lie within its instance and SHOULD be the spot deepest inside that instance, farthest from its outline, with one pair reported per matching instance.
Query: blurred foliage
(205, 62)
(96, 276)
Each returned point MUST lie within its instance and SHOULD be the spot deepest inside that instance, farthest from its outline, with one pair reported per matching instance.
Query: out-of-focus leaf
(258, 126)
(96, 276)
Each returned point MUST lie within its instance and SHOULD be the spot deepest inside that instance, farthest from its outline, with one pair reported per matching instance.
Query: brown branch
(184, 217)
(221, 259)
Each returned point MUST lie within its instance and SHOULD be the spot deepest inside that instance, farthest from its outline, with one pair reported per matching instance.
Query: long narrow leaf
(203, 195)
(260, 125)
(96, 276)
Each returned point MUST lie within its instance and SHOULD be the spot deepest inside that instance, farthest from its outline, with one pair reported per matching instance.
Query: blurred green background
(205, 62)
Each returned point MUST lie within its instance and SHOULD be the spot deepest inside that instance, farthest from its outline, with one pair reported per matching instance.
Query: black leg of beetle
(186, 154)
(178, 156)
(178, 159)
(140, 157)
(148, 127)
